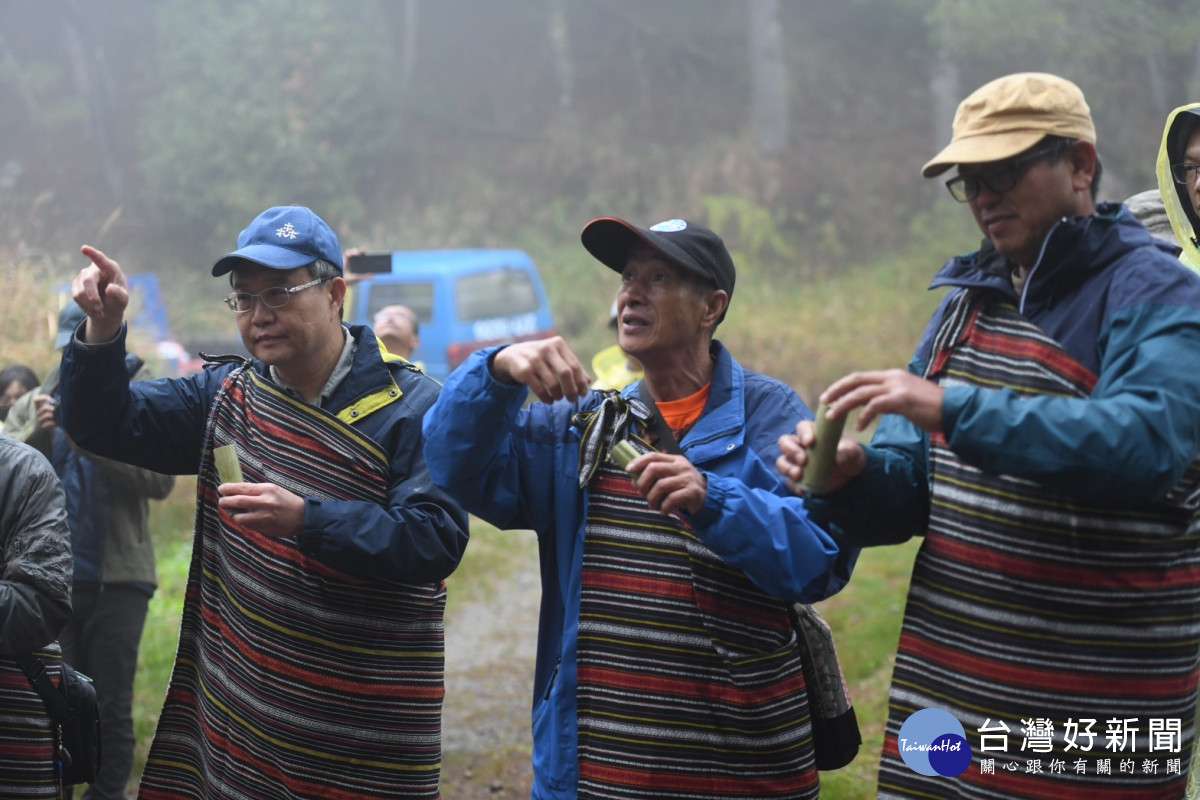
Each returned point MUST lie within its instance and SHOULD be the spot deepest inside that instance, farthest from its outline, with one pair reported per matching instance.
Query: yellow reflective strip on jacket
(371, 403)
(376, 400)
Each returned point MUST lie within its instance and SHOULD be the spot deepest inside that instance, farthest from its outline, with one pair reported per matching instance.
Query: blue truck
(464, 299)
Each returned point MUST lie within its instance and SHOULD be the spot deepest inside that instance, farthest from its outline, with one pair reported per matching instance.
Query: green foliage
(868, 316)
(865, 618)
(756, 227)
(39, 84)
(263, 104)
(171, 526)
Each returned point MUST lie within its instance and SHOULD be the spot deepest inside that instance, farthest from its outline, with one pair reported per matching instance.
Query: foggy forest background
(156, 129)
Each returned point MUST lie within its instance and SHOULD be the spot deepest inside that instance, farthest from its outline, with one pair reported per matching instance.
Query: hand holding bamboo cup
(827, 432)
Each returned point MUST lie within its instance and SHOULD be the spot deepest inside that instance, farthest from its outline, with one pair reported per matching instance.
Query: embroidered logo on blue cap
(670, 226)
(286, 232)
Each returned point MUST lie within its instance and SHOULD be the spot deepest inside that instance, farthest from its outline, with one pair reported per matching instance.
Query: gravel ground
(490, 649)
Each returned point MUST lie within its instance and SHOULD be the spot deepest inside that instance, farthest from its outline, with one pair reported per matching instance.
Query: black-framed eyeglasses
(1000, 178)
(275, 297)
(1185, 173)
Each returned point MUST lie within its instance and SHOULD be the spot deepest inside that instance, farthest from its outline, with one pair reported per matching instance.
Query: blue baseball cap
(284, 237)
(68, 320)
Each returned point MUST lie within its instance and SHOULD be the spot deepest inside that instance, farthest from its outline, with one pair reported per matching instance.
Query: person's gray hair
(322, 270)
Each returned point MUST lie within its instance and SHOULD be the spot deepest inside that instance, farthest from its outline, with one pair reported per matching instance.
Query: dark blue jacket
(1119, 303)
(418, 537)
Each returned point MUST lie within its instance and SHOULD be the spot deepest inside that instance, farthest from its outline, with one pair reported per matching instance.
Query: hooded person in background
(108, 512)
(1178, 169)
(311, 644)
(1044, 444)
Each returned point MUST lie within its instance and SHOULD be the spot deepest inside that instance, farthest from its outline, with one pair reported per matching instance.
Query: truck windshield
(418, 296)
(496, 293)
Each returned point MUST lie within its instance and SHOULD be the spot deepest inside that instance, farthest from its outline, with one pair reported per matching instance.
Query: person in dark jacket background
(35, 604)
(1044, 443)
(311, 647)
(114, 577)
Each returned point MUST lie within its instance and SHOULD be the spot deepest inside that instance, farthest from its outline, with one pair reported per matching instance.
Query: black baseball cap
(691, 246)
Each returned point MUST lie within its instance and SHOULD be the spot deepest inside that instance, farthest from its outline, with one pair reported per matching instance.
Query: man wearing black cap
(310, 655)
(667, 665)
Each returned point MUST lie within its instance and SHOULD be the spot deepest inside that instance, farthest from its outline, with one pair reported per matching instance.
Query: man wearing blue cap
(667, 663)
(310, 660)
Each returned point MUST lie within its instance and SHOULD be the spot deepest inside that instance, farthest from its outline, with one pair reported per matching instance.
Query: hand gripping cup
(820, 456)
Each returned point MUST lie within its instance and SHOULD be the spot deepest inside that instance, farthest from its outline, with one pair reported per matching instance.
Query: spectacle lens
(274, 297)
(999, 179)
(1185, 173)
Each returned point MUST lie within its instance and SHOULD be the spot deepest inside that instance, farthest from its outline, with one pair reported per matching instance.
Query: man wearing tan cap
(1043, 442)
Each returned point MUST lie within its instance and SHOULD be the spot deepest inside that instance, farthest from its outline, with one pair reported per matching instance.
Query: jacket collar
(722, 424)
(369, 381)
(1075, 248)
(724, 414)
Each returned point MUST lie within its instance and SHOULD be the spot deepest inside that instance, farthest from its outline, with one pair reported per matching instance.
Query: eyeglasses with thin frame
(998, 179)
(1185, 173)
(275, 297)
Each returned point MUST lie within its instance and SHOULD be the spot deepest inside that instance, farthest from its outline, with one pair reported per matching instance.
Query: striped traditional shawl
(1026, 604)
(28, 765)
(689, 678)
(294, 680)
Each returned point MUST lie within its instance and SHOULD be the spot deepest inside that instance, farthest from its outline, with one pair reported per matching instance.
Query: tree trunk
(408, 44)
(768, 77)
(559, 37)
(944, 92)
(94, 85)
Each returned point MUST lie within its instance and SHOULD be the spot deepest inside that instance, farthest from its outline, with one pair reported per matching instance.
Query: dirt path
(490, 648)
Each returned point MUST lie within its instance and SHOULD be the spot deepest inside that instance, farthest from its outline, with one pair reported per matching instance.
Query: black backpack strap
(35, 669)
(666, 437)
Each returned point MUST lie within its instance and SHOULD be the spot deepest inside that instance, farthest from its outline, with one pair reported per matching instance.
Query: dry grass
(28, 316)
